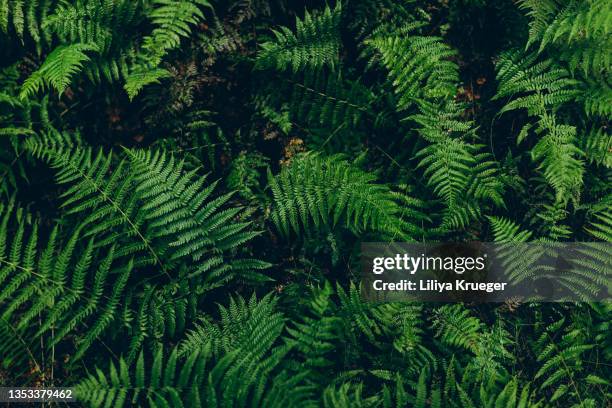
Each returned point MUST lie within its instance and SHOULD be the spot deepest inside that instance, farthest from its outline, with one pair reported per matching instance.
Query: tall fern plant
(165, 213)
(102, 27)
(50, 288)
(140, 212)
(425, 82)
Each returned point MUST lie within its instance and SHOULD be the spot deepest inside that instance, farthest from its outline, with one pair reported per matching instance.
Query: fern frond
(329, 100)
(100, 195)
(535, 86)
(245, 342)
(440, 120)
(35, 274)
(447, 166)
(161, 313)
(376, 17)
(356, 312)
(561, 359)
(346, 394)
(172, 20)
(597, 98)
(420, 67)
(141, 77)
(584, 26)
(25, 17)
(504, 230)
(92, 21)
(58, 69)
(315, 43)
(160, 212)
(544, 88)
(252, 326)
(456, 327)
(317, 192)
(179, 209)
(600, 226)
(597, 146)
(165, 382)
(560, 158)
(424, 76)
(315, 335)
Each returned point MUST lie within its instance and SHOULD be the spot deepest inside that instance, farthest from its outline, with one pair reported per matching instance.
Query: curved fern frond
(25, 17)
(166, 382)
(323, 192)
(58, 69)
(98, 193)
(579, 28)
(419, 67)
(179, 208)
(142, 76)
(535, 86)
(35, 274)
(597, 147)
(154, 206)
(172, 20)
(315, 44)
(456, 327)
(504, 230)
(92, 21)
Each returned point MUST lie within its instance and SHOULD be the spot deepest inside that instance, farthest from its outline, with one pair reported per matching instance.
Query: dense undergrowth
(185, 184)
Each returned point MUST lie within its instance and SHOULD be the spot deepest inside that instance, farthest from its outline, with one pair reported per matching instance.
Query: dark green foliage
(164, 383)
(185, 185)
(331, 101)
(318, 193)
(601, 226)
(315, 43)
(580, 30)
(25, 18)
(164, 210)
(57, 69)
(37, 272)
(102, 26)
(419, 66)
